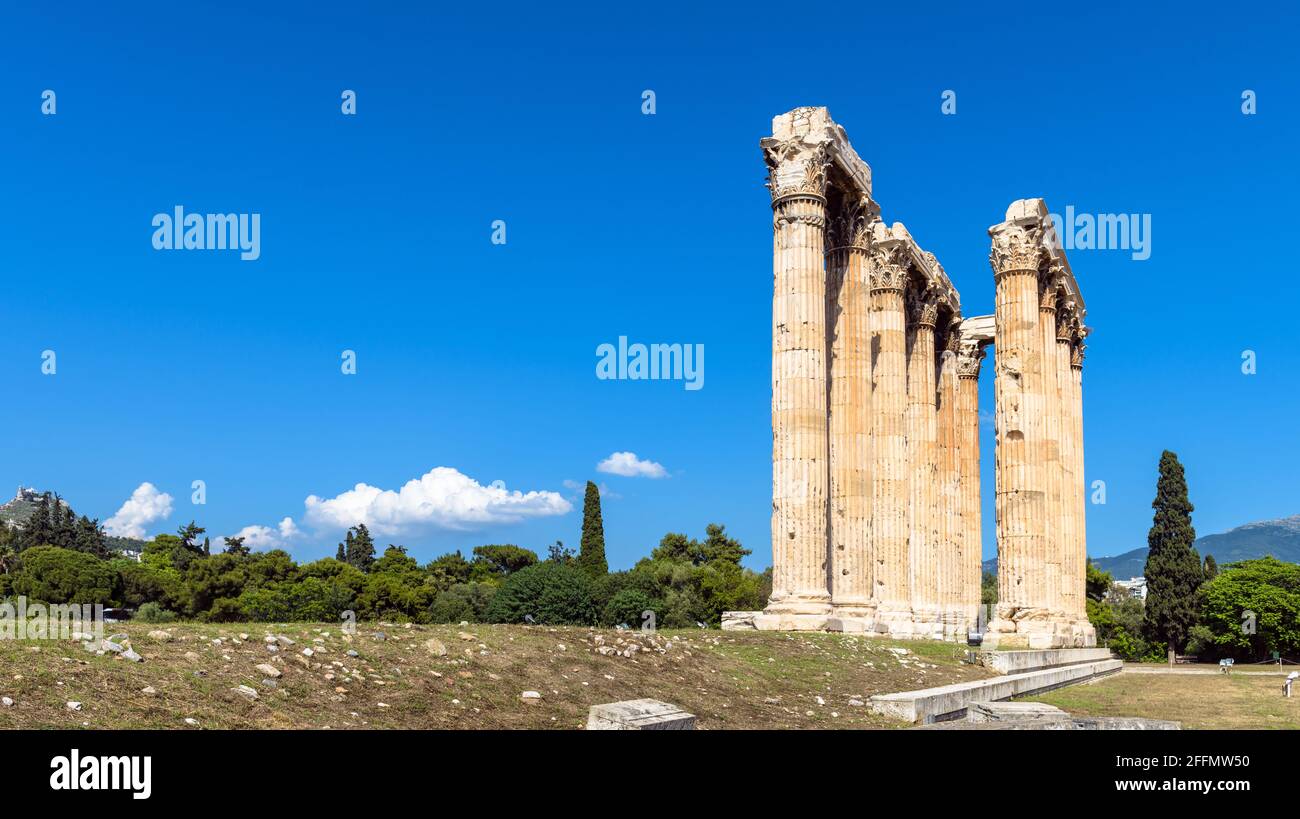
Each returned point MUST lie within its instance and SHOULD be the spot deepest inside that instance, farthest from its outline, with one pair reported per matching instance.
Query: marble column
(1055, 550)
(800, 469)
(951, 555)
(1016, 257)
(891, 478)
(849, 311)
(922, 434)
(1072, 581)
(1080, 502)
(969, 360)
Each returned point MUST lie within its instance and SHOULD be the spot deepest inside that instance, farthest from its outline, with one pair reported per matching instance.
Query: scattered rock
(149, 690)
(436, 647)
(7, 702)
(73, 705)
(192, 656)
(531, 697)
(352, 652)
(246, 691)
(161, 636)
(191, 721)
(130, 655)
(268, 670)
(380, 636)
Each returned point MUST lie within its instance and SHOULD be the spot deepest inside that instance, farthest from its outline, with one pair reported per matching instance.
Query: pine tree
(1173, 569)
(361, 548)
(591, 551)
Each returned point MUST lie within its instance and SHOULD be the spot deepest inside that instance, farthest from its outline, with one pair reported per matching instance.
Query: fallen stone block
(639, 715)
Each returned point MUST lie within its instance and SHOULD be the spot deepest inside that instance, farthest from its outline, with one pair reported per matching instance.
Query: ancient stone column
(1072, 581)
(800, 470)
(922, 434)
(1080, 546)
(1016, 257)
(849, 308)
(1055, 550)
(951, 555)
(968, 423)
(891, 477)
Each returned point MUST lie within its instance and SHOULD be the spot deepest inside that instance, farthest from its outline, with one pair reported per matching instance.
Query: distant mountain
(1279, 538)
(14, 514)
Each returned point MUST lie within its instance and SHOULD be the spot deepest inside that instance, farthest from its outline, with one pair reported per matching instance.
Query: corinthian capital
(969, 358)
(796, 168)
(1016, 248)
(852, 226)
(1076, 355)
(888, 265)
(923, 306)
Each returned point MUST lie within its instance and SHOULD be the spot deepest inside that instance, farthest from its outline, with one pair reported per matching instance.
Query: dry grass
(1195, 700)
(728, 679)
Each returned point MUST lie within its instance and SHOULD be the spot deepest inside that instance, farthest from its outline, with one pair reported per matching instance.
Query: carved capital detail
(970, 357)
(795, 169)
(888, 266)
(1016, 249)
(1076, 355)
(852, 227)
(923, 307)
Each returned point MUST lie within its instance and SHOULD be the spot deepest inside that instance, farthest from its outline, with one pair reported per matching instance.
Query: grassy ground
(727, 679)
(1197, 701)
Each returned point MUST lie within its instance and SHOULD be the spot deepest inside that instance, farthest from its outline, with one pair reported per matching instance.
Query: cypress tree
(1173, 569)
(591, 552)
(1211, 568)
(341, 556)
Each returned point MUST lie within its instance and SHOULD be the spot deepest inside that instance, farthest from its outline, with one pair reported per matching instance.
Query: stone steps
(950, 701)
(1014, 662)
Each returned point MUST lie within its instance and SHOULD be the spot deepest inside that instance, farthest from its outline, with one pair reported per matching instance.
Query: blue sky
(375, 237)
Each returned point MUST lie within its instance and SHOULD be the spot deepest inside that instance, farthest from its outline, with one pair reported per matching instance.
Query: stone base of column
(795, 613)
(955, 624)
(1035, 628)
(927, 623)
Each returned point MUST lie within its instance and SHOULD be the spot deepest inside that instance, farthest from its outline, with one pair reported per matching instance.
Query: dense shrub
(627, 607)
(550, 592)
(54, 575)
(153, 613)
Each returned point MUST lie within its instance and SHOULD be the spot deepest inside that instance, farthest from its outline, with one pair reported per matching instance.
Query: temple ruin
(875, 415)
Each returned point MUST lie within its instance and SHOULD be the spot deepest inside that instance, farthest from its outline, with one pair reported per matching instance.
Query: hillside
(460, 677)
(1279, 538)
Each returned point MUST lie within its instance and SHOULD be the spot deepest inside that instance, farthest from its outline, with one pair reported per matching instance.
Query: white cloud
(629, 465)
(145, 506)
(442, 498)
(261, 538)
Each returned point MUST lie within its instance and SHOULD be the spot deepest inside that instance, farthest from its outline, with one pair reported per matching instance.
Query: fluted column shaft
(922, 434)
(1019, 410)
(1072, 581)
(800, 473)
(951, 555)
(1080, 545)
(968, 423)
(891, 477)
(849, 307)
(1055, 550)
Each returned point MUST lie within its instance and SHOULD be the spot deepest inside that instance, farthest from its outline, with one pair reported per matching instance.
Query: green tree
(591, 551)
(550, 593)
(1098, 583)
(1211, 568)
(235, 546)
(504, 559)
(51, 574)
(1252, 608)
(1173, 569)
(988, 589)
(360, 547)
